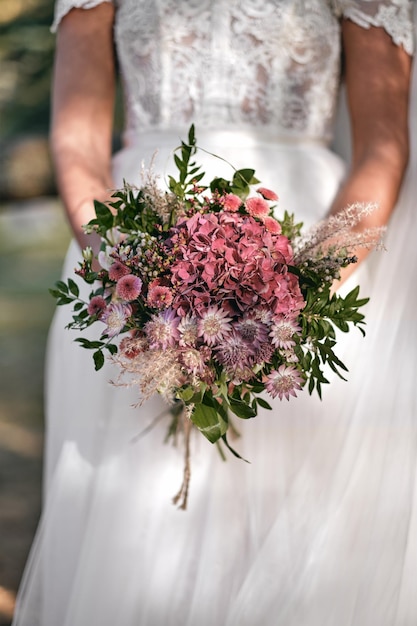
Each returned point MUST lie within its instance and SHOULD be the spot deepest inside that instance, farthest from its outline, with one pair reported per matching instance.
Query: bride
(321, 527)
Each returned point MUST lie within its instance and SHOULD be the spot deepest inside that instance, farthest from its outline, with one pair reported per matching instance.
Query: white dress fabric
(321, 527)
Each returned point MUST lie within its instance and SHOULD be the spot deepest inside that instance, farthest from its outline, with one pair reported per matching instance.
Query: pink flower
(284, 381)
(159, 297)
(162, 330)
(267, 193)
(252, 330)
(235, 355)
(231, 202)
(214, 325)
(129, 287)
(96, 306)
(131, 347)
(272, 225)
(117, 270)
(188, 329)
(196, 362)
(115, 316)
(257, 207)
(282, 333)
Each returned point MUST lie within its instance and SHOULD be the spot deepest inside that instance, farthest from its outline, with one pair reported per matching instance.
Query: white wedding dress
(320, 529)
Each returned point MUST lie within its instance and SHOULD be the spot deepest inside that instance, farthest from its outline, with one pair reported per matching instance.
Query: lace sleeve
(62, 7)
(395, 16)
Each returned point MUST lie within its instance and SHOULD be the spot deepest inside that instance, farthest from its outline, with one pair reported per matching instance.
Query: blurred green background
(33, 239)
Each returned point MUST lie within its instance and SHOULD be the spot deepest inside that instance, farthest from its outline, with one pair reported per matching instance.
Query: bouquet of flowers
(207, 298)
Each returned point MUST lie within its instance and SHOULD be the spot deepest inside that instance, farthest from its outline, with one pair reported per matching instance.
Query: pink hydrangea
(257, 207)
(232, 261)
(96, 306)
(129, 287)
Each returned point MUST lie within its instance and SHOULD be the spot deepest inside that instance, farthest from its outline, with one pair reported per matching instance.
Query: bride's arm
(82, 112)
(377, 81)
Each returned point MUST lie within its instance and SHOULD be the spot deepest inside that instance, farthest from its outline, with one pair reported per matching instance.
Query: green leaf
(241, 408)
(104, 215)
(98, 360)
(232, 450)
(73, 287)
(264, 404)
(61, 286)
(209, 422)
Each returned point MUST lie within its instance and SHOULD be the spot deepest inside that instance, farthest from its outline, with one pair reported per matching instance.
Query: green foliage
(26, 55)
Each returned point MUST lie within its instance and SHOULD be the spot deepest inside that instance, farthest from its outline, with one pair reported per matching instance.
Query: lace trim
(394, 16)
(62, 7)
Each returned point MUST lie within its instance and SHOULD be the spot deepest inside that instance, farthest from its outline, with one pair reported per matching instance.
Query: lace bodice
(272, 64)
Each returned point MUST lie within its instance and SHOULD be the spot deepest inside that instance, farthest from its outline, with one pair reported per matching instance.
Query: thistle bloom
(162, 330)
(214, 325)
(96, 306)
(115, 316)
(235, 354)
(282, 333)
(252, 330)
(284, 382)
(129, 287)
(188, 329)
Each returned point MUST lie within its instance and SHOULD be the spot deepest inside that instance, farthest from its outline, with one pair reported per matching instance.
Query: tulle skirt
(319, 528)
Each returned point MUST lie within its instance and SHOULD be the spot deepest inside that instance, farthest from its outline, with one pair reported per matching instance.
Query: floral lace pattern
(271, 64)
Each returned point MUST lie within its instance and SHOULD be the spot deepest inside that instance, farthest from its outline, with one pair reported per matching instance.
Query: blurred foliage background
(33, 239)
(26, 53)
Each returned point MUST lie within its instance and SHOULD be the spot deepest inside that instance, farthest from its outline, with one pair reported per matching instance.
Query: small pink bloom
(284, 381)
(115, 316)
(272, 225)
(282, 333)
(188, 329)
(231, 202)
(117, 270)
(214, 325)
(131, 347)
(268, 194)
(257, 207)
(162, 330)
(96, 306)
(129, 287)
(159, 297)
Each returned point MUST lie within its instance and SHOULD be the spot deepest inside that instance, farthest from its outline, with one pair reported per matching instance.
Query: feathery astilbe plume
(164, 203)
(161, 373)
(334, 237)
